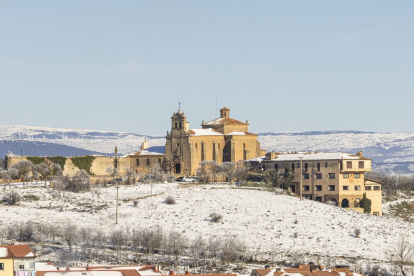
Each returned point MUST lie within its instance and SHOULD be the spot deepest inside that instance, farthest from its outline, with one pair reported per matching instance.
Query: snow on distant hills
(391, 152)
(92, 141)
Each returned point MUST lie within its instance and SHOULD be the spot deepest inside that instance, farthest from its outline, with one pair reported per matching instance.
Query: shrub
(170, 200)
(31, 197)
(12, 198)
(215, 217)
(357, 232)
(366, 204)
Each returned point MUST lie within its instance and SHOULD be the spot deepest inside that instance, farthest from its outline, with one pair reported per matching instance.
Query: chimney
(359, 153)
(172, 272)
(144, 145)
(224, 112)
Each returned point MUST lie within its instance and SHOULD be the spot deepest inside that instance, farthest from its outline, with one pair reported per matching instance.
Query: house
(306, 270)
(145, 161)
(47, 269)
(334, 177)
(18, 260)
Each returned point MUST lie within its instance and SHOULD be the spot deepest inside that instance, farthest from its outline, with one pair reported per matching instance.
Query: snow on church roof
(204, 132)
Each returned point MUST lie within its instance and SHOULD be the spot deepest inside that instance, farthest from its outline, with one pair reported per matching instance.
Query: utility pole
(300, 181)
(117, 184)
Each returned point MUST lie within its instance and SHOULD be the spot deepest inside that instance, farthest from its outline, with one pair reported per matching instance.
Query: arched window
(345, 203)
(175, 124)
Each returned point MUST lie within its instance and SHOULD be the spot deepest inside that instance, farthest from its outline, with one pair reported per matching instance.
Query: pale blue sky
(124, 65)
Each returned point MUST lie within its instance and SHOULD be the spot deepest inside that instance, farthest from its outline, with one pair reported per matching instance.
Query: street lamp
(300, 181)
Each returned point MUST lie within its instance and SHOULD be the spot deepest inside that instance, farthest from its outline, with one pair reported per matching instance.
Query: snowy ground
(265, 221)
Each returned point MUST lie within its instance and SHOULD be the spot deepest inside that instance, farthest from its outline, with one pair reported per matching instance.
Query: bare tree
(70, 235)
(176, 245)
(229, 168)
(24, 168)
(241, 171)
(203, 172)
(43, 170)
(403, 254)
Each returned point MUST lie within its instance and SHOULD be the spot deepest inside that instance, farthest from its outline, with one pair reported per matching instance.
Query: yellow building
(222, 140)
(16, 260)
(335, 177)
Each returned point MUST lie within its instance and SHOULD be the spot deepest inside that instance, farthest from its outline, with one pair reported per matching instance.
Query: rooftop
(16, 251)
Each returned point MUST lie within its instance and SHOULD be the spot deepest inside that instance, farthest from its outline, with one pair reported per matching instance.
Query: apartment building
(337, 178)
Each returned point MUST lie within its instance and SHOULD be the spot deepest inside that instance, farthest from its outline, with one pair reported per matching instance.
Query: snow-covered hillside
(102, 142)
(270, 224)
(392, 152)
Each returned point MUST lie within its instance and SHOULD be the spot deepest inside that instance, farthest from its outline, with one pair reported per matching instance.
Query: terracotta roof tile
(19, 251)
(262, 271)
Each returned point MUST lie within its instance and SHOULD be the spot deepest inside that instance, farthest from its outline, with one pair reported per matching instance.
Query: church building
(222, 140)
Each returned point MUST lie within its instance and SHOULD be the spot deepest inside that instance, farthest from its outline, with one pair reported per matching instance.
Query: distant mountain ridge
(391, 152)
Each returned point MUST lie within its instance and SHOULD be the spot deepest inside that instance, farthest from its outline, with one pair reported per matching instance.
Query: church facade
(222, 140)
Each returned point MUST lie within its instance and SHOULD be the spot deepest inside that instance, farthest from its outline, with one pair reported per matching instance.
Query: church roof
(225, 121)
(204, 132)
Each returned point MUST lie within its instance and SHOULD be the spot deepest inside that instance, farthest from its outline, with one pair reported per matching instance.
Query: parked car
(187, 179)
(115, 181)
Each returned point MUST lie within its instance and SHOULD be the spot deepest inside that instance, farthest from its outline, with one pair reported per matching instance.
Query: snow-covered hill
(273, 226)
(392, 152)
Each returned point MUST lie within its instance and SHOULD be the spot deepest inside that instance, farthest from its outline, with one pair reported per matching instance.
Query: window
(318, 187)
(331, 187)
(331, 175)
(21, 267)
(345, 188)
(32, 265)
(293, 167)
(276, 166)
(375, 213)
(377, 188)
(195, 145)
(218, 145)
(368, 188)
(349, 164)
(357, 188)
(357, 175)
(318, 198)
(178, 144)
(306, 167)
(305, 176)
(159, 161)
(148, 161)
(345, 175)
(318, 166)
(361, 164)
(326, 165)
(306, 188)
(340, 166)
(318, 176)
(1, 266)
(137, 162)
(180, 124)
(176, 125)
